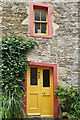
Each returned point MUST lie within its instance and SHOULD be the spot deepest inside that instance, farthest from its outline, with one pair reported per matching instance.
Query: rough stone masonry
(61, 49)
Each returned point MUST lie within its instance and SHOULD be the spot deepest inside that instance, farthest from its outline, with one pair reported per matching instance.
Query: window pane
(46, 78)
(43, 16)
(43, 27)
(37, 28)
(37, 15)
(33, 76)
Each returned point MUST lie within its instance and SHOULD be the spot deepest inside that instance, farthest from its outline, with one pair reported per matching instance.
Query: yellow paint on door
(40, 91)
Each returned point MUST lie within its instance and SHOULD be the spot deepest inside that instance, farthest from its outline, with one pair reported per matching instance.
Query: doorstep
(40, 118)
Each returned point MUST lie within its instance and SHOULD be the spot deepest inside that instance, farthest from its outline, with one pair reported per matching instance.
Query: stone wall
(61, 49)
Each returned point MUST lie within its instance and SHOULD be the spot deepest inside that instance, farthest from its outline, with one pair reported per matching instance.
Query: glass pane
(46, 78)
(33, 76)
(43, 16)
(43, 27)
(37, 15)
(37, 28)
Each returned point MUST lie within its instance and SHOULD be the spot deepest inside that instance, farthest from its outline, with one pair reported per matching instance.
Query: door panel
(34, 103)
(40, 91)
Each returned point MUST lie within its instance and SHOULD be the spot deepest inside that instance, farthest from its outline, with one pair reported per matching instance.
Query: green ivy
(15, 64)
(70, 101)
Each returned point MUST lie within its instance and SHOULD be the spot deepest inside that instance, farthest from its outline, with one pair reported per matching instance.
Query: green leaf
(15, 64)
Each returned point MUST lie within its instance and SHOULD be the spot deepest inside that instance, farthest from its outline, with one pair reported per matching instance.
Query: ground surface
(39, 118)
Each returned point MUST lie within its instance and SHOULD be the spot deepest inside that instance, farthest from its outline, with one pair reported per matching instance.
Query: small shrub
(70, 99)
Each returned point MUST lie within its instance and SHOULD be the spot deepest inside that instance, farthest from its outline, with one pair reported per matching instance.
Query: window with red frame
(40, 20)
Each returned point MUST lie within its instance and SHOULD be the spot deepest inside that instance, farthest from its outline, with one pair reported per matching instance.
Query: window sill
(41, 36)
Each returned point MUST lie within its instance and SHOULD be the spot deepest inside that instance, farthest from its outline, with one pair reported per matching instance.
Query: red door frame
(54, 67)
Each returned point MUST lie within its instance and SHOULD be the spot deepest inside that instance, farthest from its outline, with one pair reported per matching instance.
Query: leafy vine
(15, 64)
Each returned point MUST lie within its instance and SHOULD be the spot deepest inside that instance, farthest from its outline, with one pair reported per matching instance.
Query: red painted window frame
(48, 6)
(55, 99)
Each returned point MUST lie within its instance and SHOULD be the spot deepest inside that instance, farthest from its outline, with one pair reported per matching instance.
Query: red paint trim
(25, 97)
(54, 67)
(43, 64)
(54, 88)
(48, 6)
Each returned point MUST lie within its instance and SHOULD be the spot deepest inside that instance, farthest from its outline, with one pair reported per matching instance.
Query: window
(33, 76)
(46, 78)
(40, 20)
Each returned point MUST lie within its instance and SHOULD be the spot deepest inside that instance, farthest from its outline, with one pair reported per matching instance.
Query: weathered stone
(62, 48)
(62, 70)
(64, 84)
(55, 13)
(55, 28)
(41, 1)
(25, 21)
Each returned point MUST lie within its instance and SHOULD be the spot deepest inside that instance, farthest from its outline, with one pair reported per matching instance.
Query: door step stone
(40, 118)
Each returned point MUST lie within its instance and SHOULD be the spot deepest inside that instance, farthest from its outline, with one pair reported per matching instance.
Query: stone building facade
(62, 48)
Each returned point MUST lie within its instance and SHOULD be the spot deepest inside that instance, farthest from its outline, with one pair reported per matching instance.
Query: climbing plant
(15, 64)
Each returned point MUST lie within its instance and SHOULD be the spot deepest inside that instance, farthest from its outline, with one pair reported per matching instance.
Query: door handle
(44, 93)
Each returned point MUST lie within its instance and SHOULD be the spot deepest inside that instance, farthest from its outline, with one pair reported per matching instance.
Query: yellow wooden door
(33, 85)
(40, 91)
(46, 92)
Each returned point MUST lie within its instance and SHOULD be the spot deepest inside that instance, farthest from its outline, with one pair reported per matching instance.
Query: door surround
(54, 68)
